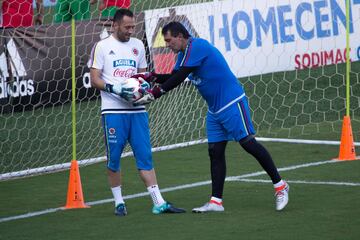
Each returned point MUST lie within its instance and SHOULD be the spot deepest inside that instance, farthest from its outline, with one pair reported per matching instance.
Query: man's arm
(161, 78)
(96, 81)
(176, 79)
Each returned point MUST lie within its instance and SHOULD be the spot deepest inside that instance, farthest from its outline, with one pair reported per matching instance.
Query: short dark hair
(175, 28)
(120, 13)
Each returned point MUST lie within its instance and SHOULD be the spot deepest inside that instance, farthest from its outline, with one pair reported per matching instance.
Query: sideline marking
(351, 184)
(64, 166)
(197, 184)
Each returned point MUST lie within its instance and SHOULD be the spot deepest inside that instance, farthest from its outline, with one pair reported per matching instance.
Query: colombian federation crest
(135, 51)
(111, 131)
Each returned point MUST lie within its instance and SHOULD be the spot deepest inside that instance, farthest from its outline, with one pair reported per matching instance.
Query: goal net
(289, 55)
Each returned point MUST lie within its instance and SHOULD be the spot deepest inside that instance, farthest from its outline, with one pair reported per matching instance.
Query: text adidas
(18, 88)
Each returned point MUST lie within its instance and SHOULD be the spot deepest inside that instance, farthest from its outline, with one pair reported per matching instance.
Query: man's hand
(126, 93)
(149, 95)
(149, 77)
(118, 89)
(144, 84)
(147, 98)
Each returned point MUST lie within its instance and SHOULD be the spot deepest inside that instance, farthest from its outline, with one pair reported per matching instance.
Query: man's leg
(217, 138)
(160, 205)
(114, 126)
(140, 144)
(237, 121)
(218, 174)
(149, 179)
(264, 158)
(115, 185)
(260, 153)
(217, 167)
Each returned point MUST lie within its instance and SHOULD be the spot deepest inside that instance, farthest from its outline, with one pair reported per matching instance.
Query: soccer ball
(135, 85)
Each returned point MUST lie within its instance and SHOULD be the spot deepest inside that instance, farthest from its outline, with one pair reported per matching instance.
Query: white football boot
(209, 207)
(282, 197)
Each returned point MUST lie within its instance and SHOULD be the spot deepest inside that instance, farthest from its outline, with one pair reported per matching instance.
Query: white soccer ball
(135, 85)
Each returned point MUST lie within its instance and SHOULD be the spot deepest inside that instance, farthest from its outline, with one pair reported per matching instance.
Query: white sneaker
(282, 197)
(209, 207)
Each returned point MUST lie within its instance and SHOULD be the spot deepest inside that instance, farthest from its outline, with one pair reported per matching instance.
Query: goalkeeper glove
(149, 77)
(118, 89)
(147, 98)
(144, 84)
(149, 95)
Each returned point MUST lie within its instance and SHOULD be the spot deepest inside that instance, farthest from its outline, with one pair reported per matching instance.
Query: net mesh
(36, 131)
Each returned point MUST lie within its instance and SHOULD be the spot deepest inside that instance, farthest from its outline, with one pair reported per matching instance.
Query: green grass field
(321, 206)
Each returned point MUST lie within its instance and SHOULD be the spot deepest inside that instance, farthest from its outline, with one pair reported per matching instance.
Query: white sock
(156, 195)
(116, 191)
(279, 184)
(216, 200)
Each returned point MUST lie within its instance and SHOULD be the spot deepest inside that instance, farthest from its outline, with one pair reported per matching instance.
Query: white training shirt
(118, 62)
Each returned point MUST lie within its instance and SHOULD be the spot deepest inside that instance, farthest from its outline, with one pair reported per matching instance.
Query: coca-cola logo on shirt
(118, 72)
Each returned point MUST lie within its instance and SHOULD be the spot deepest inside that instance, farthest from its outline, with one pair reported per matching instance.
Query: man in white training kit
(113, 60)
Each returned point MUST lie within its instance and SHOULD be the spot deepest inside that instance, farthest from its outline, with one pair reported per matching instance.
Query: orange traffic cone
(347, 147)
(75, 197)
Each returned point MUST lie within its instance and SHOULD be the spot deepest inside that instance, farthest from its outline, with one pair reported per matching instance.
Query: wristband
(108, 88)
